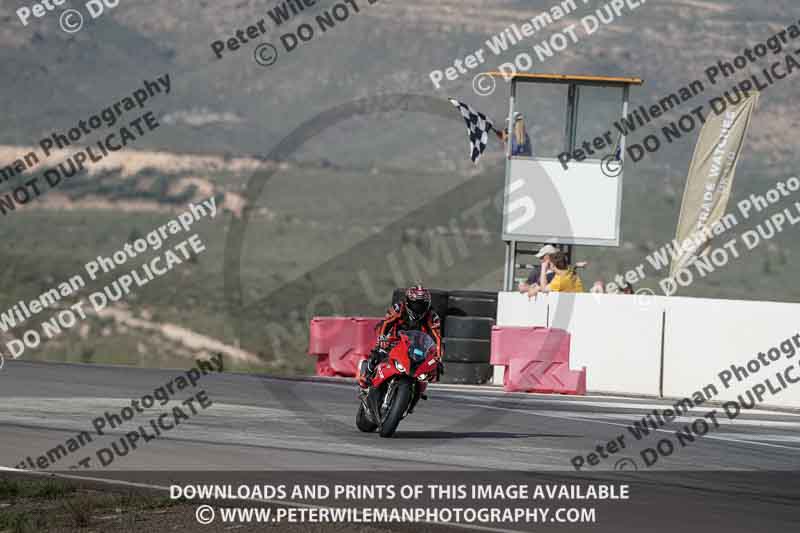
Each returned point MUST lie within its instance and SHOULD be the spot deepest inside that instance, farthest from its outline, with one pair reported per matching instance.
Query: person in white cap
(533, 279)
(544, 255)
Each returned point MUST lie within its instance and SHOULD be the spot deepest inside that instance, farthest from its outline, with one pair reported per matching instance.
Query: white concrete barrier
(616, 337)
(704, 337)
(673, 347)
(515, 309)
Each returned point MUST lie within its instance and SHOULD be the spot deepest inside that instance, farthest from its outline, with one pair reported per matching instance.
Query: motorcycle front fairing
(414, 354)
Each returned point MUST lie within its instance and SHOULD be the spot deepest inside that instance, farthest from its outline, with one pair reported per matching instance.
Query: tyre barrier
(468, 327)
(479, 295)
(536, 360)
(466, 350)
(340, 343)
(467, 373)
(469, 306)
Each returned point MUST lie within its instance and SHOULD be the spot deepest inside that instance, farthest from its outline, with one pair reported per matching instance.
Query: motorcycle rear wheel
(363, 422)
(402, 397)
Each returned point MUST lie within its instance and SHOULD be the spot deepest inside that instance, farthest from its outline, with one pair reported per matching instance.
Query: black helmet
(418, 302)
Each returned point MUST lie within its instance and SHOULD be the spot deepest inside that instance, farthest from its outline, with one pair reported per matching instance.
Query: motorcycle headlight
(399, 366)
(422, 377)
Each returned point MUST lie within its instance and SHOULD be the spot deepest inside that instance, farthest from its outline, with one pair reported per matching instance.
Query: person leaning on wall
(544, 254)
(566, 279)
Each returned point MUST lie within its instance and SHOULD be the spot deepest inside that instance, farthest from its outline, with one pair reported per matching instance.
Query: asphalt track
(289, 424)
(258, 423)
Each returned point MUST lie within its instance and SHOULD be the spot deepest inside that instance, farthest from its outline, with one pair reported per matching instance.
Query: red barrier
(339, 343)
(536, 360)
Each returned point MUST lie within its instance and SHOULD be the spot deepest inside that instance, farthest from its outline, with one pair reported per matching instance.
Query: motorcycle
(398, 384)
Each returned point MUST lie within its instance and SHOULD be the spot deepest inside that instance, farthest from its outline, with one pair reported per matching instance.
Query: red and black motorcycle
(399, 383)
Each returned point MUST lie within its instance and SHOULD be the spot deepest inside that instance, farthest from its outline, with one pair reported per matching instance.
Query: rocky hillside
(51, 79)
(356, 172)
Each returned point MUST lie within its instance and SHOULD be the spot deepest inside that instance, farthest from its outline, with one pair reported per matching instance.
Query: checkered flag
(478, 128)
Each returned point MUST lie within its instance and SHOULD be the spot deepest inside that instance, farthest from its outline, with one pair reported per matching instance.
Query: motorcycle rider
(412, 312)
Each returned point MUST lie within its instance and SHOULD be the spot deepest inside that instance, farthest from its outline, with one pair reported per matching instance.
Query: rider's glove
(383, 343)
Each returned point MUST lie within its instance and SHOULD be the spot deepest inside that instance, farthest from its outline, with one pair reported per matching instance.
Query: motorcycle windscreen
(419, 346)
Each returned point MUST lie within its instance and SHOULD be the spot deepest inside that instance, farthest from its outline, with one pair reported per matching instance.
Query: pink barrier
(536, 360)
(339, 343)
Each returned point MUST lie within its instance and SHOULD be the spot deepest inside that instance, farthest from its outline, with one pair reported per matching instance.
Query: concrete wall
(705, 337)
(616, 338)
(669, 346)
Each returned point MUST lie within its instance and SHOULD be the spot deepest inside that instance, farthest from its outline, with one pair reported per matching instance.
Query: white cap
(547, 249)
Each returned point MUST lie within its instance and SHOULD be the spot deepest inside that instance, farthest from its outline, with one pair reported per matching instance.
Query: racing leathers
(396, 320)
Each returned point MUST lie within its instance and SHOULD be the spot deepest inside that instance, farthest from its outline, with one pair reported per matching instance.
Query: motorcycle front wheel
(398, 407)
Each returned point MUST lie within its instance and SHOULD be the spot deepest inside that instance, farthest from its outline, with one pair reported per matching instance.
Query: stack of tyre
(467, 320)
(467, 336)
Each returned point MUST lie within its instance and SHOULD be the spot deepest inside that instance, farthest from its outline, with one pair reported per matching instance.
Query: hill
(377, 175)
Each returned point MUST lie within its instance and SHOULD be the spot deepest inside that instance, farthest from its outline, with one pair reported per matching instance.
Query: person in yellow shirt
(565, 280)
